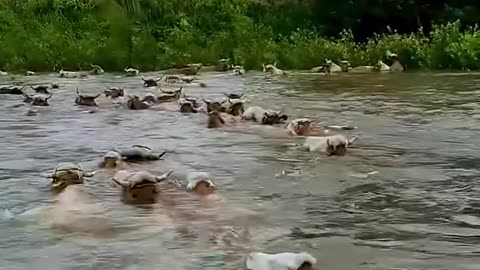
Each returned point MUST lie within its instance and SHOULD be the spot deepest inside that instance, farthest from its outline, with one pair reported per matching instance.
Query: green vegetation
(46, 35)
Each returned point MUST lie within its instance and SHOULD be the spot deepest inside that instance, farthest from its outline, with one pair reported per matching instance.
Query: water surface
(405, 197)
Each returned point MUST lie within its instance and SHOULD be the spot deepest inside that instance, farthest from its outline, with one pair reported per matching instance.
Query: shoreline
(306, 72)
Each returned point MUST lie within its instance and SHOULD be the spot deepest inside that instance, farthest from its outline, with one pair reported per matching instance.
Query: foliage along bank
(49, 35)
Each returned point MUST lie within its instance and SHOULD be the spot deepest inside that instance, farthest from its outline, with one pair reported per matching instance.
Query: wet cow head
(168, 96)
(300, 126)
(68, 174)
(111, 160)
(134, 103)
(140, 187)
(345, 65)
(96, 70)
(37, 100)
(215, 120)
(150, 82)
(187, 106)
(236, 107)
(338, 145)
(214, 106)
(85, 100)
(200, 183)
(274, 117)
(114, 92)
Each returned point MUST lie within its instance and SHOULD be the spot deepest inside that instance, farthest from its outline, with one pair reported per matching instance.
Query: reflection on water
(404, 197)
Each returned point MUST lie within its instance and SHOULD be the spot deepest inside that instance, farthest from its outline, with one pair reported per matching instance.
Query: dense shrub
(46, 35)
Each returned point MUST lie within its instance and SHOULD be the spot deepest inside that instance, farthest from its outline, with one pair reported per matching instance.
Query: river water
(405, 197)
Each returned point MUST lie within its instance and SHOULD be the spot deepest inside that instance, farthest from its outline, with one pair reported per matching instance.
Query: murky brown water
(406, 197)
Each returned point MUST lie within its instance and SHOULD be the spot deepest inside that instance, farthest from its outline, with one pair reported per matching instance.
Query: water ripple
(405, 197)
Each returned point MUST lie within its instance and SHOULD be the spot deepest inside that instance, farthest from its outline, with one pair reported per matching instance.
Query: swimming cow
(134, 103)
(263, 116)
(280, 261)
(12, 90)
(273, 70)
(71, 74)
(74, 208)
(200, 183)
(332, 67)
(112, 159)
(187, 79)
(85, 100)
(190, 69)
(139, 187)
(331, 145)
(41, 89)
(238, 70)
(300, 127)
(173, 79)
(188, 106)
(234, 106)
(67, 174)
(114, 92)
(150, 99)
(131, 72)
(214, 106)
(381, 66)
(96, 70)
(138, 153)
(218, 119)
(36, 100)
(223, 65)
(150, 82)
(168, 96)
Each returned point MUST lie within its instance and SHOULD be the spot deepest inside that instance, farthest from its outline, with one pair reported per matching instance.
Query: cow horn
(142, 146)
(163, 176)
(161, 155)
(120, 182)
(352, 139)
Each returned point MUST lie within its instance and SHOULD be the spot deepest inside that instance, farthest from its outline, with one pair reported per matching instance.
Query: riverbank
(51, 35)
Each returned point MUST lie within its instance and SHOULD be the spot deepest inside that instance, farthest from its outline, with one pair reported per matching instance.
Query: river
(405, 197)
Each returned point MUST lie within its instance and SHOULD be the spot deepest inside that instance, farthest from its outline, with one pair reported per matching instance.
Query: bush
(46, 35)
